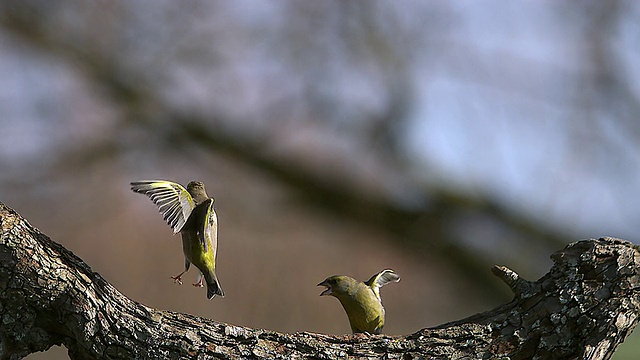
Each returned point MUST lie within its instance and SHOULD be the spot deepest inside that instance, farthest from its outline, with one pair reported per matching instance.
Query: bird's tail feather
(213, 286)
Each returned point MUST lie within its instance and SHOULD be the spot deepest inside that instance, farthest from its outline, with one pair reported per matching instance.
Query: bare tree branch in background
(429, 228)
(584, 307)
(612, 89)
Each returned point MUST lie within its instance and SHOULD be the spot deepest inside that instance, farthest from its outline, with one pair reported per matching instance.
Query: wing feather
(381, 279)
(210, 230)
(172, 199)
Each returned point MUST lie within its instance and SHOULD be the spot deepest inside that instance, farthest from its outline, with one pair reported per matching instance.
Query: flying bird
(189, 212)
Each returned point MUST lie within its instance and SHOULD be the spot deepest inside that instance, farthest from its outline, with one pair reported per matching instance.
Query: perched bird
(189, 212)
(361, 300)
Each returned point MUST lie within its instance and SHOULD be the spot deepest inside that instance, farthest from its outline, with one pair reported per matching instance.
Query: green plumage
(361, 300)
(190, 212)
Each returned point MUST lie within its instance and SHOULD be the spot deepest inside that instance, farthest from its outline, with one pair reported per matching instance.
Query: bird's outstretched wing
(209, 234)
(381, 279)
(172, 199)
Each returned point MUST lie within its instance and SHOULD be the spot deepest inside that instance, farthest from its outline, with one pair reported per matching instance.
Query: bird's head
(195, 186)
(197, 191)
(337, 285)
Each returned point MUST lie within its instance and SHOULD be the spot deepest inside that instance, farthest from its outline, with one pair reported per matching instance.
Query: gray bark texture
(582, 309)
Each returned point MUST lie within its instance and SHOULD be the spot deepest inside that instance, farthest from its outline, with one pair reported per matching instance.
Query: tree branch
(584, 307)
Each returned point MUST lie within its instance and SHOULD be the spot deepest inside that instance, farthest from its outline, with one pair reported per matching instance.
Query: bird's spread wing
(381, 279)
(209, 235)
(173, 201)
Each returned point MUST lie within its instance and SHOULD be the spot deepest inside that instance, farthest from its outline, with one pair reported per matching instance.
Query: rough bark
(583, 308)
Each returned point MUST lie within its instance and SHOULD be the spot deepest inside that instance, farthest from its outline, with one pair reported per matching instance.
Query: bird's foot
(362, 335)
(199, 282)
(177, 279)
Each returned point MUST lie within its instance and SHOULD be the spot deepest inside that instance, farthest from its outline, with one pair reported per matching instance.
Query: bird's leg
(178, 278)
(199, 281)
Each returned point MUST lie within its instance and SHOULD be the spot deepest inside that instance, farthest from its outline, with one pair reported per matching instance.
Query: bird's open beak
(327, 291)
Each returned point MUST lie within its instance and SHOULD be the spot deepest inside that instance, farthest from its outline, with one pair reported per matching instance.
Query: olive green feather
(190, 212)
(361, 300)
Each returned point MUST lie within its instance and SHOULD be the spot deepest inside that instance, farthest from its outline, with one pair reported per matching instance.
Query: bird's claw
(177, 279)
(199, 281)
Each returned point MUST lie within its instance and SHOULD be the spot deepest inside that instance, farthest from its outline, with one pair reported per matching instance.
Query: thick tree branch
(583, 308)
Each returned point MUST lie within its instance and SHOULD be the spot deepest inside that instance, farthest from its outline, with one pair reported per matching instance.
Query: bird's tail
(213, 286)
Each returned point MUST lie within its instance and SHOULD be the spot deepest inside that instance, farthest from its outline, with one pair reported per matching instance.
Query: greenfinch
(361, 300)
(189, 212)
